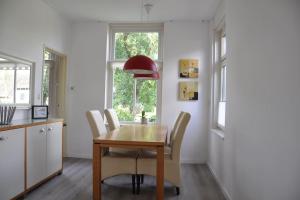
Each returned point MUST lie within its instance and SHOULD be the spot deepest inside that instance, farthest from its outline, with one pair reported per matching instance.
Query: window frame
(16, 61)
(219, 84)
(133, 27)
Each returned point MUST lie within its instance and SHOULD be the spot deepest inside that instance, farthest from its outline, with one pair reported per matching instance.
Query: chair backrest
(112, 119)
(175, 127)
(96, 123)
(178, 135)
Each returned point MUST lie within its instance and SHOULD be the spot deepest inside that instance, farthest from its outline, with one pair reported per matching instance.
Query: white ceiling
(132, 10)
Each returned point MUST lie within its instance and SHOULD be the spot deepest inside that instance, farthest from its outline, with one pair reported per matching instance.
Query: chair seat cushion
(152, 153)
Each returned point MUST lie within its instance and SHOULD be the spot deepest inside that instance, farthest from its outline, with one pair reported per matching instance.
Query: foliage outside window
(132, 96)
(15, 81)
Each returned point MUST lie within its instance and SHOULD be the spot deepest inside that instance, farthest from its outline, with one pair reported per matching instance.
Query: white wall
(25, 26)
(262, 136)
(220, 156)
(187, 40)
(87, 76)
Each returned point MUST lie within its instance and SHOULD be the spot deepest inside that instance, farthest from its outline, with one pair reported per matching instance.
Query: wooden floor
(76, 184)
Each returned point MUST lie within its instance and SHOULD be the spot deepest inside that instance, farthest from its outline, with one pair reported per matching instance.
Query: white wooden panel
(36, 154)
(12, 155)
(54, 148)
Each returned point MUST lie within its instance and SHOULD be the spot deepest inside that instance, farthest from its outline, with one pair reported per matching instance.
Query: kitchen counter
(28, 122)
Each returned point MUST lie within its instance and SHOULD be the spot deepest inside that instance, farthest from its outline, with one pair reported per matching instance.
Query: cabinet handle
(50, 129)
(42, 130)
(2, 138)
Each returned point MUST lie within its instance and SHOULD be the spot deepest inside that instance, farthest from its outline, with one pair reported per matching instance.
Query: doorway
(54, 87)
(54, 83)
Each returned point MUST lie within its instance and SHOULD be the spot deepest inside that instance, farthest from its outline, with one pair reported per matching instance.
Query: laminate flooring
(75, 183)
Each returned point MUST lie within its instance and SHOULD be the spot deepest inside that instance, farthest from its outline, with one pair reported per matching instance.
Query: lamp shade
(154, 76)
(140, 64)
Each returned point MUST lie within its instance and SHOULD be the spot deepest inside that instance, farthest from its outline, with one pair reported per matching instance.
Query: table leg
(160, 173)
(96, 172)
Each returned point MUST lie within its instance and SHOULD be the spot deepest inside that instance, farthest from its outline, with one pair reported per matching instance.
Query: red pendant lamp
(140, 64)
(154, 76)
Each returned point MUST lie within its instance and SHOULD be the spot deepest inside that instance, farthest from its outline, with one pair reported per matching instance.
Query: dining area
(139, 150)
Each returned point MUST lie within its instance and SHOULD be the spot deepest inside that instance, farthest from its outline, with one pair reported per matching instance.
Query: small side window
(15, 81)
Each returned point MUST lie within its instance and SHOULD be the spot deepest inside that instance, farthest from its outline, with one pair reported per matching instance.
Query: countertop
(28, 122)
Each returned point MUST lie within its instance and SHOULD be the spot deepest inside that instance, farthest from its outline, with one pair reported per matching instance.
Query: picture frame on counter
(39, 112)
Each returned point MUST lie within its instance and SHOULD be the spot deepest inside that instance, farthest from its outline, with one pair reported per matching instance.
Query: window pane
(223, 46)
(221, 113)
(223, 83)
(217, 51)
(123, 95)
(146, 92)
(131, 97)
(45, 84)
(22, 84)
(7, 74)
(136, 43)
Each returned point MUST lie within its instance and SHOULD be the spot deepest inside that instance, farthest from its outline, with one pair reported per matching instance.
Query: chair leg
(133, 184)
(142, 179)
(138, 184)
(177, 191)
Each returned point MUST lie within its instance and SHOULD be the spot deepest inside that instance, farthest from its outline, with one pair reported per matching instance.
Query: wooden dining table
(131, 136)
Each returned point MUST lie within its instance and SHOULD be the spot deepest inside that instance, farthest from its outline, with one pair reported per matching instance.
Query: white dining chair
(112, 119)
(113, 163)
(146, 162)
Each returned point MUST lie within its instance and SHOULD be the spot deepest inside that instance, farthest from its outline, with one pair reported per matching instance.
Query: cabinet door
(36, 154)
(54, 148)
(12, 153)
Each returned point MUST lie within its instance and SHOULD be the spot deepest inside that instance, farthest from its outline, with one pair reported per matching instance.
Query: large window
(15, 81)
(220, 67)
(129, 96)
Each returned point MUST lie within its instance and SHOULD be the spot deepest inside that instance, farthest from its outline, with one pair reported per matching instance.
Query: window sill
(23, 107)
(218, 132)
(18, 107)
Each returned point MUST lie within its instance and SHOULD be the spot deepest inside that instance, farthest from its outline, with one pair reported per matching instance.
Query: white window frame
(218, 84)
(15, 60)
(133, 27)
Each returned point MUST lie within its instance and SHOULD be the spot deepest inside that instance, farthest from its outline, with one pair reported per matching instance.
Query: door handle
(2, 138)
(50, 129)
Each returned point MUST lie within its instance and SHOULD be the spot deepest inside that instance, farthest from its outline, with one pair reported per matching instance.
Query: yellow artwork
(188, 68)
(188, 90)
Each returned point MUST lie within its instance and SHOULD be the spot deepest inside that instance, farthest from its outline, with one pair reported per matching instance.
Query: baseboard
(191, 161)
(224, 190)
(79, 156)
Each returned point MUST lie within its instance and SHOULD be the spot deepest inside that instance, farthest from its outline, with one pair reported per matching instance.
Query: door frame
(64, 65)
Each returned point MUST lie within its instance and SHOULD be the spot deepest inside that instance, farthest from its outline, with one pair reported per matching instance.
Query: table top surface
(149, 135)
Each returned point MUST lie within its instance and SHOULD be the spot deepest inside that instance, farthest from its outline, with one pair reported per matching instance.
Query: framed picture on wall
(188, 68)
(39, 112)
(188, 90)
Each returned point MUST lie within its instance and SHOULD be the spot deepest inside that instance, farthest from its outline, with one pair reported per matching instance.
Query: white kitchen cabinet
(36, 154)
(54, 148)
(44, 152)
(12, 158)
